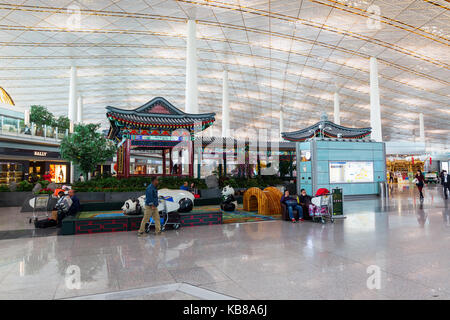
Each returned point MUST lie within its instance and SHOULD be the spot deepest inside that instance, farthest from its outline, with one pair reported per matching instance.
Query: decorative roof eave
(205, 122)
(329, 129)
(158, 113)
(175, 113)
(326, 134)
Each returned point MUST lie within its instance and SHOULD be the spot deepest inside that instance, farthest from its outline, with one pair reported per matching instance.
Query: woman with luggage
(420, 181)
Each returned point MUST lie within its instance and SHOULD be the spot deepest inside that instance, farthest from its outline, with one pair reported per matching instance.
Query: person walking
(151, 208)
(420, 181)
(391, 177)
(445, 181)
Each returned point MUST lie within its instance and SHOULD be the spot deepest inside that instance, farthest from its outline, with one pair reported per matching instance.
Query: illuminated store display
(58, 173)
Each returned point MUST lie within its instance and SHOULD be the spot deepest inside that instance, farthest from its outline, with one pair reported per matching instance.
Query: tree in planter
(87, 147)
(62, 122)
(40, 115)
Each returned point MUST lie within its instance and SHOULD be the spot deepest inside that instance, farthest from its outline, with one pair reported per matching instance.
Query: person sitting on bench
(62, 206)
(75, 207)
(292, 203)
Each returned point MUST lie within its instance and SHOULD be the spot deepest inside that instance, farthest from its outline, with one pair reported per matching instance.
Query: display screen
(351, 171)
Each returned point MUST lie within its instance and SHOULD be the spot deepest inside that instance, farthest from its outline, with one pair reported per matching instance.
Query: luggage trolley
(322, 208)
(165, 218)
(40, 204)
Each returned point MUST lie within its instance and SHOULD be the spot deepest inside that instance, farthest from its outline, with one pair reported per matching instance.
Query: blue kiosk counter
(332, 156)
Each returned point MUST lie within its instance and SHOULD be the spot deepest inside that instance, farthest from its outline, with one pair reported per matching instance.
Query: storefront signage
(155, 138)
(13, 152)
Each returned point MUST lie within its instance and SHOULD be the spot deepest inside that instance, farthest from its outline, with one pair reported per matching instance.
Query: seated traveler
(304, 200)
(62, 206)
(291, 204)
(75, 207)
(185, 186)
(194, 190)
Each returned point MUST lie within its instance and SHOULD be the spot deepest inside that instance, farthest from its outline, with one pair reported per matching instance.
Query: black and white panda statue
(169, 200)
(134, 206)
(228, 203)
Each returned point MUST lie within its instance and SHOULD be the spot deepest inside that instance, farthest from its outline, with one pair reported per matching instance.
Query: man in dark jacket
(151, 208)
(304, 199)
(445, 181)
(75, 207)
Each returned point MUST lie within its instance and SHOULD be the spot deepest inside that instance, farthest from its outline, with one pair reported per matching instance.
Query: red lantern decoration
(430, 160)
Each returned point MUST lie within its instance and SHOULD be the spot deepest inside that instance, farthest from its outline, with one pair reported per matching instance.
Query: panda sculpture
(229, 203)
(172, 200)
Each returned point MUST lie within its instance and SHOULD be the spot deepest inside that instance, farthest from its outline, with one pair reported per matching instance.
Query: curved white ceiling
(290, 53)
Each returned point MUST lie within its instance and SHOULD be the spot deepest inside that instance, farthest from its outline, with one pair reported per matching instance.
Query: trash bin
(384, 192)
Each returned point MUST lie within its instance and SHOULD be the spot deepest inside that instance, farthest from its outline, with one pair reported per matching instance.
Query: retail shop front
(30, 162)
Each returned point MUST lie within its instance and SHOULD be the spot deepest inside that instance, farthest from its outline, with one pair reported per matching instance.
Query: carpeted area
(238, 216)
(100, 214)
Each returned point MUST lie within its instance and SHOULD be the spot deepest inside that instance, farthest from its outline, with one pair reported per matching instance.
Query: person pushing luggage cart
(151, 208)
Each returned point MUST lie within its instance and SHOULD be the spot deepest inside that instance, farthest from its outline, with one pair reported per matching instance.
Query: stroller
(166, 218)
(321, 206)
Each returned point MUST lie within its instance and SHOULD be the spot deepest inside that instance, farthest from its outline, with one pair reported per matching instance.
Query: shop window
(10, 172)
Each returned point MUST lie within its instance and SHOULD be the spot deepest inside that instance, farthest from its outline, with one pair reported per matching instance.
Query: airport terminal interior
(224, 150)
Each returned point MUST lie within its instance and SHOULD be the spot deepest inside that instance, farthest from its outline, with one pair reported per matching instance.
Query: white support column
(225, 106)
(72, 114)
(191, 68)
(375, 112)
(281, 122)
(337, 111)
(421, 128)
(80, 109)
(26, 117)
(72, 173)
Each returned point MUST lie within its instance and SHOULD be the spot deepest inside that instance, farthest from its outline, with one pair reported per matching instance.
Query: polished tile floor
(405, 241)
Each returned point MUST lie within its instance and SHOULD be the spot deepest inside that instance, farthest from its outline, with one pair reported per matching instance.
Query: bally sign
(40, 153)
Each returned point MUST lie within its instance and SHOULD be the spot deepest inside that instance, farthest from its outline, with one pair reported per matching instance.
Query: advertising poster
(351, 171)
(58, 173)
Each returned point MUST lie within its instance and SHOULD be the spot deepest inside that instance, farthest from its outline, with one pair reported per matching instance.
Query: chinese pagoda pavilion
(326, 129)
(155, 129)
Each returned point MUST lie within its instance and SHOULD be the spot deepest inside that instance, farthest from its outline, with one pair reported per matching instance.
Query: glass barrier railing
(12, 126)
